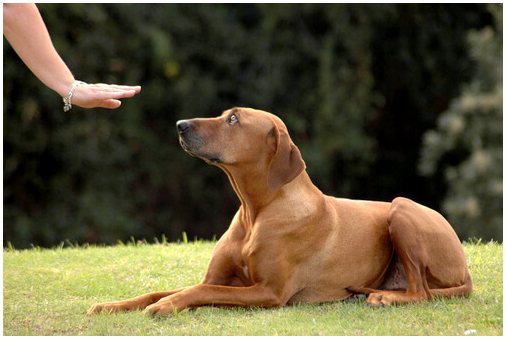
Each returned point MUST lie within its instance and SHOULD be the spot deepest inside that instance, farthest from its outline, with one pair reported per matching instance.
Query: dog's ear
(286, 163)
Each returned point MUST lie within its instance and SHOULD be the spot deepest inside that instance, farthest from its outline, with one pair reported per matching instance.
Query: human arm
(26, 32)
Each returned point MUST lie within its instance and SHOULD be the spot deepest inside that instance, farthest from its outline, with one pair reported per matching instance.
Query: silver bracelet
(67, 101)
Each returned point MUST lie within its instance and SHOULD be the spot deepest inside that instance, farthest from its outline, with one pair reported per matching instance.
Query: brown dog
(290, 243)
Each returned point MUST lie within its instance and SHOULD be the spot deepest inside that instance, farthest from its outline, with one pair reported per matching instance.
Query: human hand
(102, 95)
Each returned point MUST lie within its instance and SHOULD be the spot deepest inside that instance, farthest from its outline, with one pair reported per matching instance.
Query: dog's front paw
(104, 307)
(160, 309)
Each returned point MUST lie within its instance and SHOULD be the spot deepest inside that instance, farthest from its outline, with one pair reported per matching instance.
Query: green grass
(47, 292)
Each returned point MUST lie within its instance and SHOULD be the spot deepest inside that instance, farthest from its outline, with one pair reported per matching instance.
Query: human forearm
(27, 34)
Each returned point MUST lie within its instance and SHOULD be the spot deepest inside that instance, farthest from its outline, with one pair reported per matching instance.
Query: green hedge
(358, 85)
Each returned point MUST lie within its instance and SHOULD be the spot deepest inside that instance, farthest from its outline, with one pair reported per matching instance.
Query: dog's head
(244, 138)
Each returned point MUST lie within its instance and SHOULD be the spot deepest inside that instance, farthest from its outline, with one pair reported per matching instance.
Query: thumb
(110, 103)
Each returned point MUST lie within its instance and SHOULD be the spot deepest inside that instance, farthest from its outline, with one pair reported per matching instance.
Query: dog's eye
(232, 119)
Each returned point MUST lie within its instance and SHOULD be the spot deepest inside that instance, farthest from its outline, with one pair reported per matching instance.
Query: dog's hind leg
(430, 253)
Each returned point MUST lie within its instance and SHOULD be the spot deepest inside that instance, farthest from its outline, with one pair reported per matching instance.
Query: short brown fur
(288, 242)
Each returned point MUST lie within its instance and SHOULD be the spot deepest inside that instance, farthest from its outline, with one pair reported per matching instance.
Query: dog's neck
(254, 192)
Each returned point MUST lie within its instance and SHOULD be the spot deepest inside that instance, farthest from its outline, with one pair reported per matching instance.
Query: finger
(103, 95)
(115, 87)
(121, 94)
(115, 93)
(110, 104)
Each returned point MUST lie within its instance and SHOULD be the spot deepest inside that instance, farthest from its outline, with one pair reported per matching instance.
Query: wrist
(62, 87)
(67, 99)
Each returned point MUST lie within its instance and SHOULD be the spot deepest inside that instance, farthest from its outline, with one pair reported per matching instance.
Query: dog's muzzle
(192, 143)
(186, 139)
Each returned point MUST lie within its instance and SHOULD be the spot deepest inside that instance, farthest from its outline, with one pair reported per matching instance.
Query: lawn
(47, 292)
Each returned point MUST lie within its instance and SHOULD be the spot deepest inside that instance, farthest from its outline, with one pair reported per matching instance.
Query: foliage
(357, 85)
(47, 292)
(467, 143)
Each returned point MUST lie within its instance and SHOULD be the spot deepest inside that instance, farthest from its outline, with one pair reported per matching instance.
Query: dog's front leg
(205, 294)
(137, 303)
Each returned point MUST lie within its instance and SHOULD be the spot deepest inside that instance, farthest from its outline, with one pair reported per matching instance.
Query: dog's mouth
(210, 159)
(186, 147)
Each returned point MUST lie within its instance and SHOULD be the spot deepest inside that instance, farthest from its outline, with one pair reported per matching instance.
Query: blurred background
(383, 100)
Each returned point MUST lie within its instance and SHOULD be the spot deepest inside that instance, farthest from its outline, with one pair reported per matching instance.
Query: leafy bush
(467, 143)
(357, 85)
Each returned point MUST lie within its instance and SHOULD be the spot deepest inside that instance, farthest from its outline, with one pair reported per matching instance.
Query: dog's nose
(183, 126)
